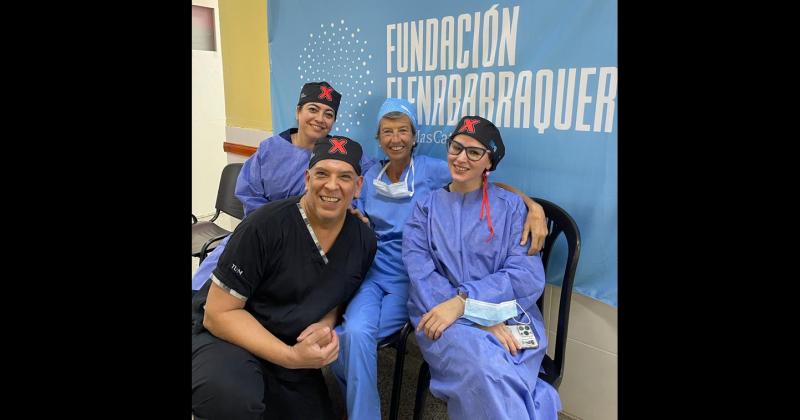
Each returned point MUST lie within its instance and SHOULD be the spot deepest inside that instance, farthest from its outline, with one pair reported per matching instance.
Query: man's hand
(310, 354)
(504, 336)
(323, 341)
(441, 317)
(535, 226)
(356, 212)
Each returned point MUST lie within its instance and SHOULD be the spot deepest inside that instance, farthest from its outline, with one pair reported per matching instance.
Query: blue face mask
(488, 314)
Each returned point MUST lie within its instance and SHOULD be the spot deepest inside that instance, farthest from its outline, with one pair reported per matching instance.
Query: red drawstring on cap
(485, 204)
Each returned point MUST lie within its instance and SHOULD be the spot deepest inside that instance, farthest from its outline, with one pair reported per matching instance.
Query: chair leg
(423, 382)
(400, 357)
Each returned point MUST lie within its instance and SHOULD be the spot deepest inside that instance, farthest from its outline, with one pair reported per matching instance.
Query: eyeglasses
(473, 153)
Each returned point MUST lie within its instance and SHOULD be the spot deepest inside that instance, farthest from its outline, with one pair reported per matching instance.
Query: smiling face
(467, 173)
(314, 121)
(331, 185)
(396, 138)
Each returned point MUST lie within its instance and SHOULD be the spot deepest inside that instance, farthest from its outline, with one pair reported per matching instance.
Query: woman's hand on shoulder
(535, 226)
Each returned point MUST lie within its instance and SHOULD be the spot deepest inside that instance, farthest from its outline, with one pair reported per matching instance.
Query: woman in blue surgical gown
(379, 307)
(469, 278)
(277, 169)
(388, 196)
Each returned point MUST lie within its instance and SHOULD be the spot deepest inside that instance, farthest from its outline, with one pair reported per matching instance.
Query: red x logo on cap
(338, 146)
(469, 125)
(326, 93)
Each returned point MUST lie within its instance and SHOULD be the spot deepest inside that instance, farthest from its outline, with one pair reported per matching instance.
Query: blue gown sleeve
(359, 202)
(521, 276)
(250, 185)
(428, 287)
(439, 175)
(366, 163)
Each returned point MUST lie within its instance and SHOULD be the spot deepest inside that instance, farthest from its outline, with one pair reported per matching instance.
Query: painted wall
(246, 63)
(208, 121)
(589, 387)
(220, 105)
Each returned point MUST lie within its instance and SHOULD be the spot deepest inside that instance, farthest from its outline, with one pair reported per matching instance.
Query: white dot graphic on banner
(346, 69)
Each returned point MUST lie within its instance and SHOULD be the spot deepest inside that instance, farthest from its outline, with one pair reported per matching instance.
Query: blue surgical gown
(445, 249)
(379, 307)
(388, 216)
(274, 172)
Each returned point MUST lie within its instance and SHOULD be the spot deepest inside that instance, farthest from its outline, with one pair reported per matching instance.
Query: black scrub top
(273, 262)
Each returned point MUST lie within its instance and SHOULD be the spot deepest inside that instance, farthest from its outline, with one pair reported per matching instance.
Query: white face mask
(397, 189)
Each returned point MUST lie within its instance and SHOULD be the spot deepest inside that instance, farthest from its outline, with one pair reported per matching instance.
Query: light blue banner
(545, 72)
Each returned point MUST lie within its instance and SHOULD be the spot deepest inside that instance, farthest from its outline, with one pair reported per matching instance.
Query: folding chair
(206, 234)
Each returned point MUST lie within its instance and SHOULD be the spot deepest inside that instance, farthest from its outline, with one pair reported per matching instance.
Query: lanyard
(311, 231)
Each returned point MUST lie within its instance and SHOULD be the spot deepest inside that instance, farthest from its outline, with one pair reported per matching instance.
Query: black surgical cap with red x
(341, 148)
(320, 92)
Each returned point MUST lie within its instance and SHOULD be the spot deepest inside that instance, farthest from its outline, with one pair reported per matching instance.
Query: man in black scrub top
(264, 326)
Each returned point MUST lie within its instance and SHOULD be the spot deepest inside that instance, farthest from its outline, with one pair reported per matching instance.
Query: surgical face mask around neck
(488, 314)
(397, 189)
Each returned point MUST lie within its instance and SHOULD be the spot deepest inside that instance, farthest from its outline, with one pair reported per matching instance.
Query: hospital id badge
(524, 334)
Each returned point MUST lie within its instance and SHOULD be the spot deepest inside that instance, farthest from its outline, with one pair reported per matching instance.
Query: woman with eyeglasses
(472, 284)
(388, 196)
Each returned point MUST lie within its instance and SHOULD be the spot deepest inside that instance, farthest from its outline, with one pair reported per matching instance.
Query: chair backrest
(559, 221)
(226, 195)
